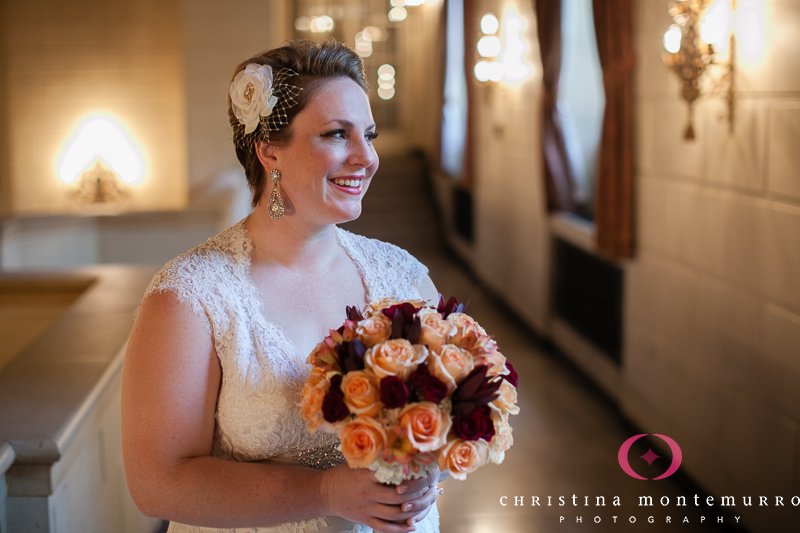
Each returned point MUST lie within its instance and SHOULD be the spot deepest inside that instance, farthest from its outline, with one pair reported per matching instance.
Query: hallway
(567, 434)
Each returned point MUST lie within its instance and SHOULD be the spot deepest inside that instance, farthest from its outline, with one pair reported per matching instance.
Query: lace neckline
(252, 289)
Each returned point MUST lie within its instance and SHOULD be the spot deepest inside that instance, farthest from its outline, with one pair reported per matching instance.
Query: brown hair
(313, 62)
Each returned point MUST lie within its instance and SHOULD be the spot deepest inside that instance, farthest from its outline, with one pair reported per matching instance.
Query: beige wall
(511, 249)
(712, 328)
(67, 61)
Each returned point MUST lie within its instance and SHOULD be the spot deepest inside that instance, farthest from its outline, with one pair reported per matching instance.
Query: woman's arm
(170, 383)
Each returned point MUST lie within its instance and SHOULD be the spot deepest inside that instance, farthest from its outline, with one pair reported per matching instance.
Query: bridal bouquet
(407, 387)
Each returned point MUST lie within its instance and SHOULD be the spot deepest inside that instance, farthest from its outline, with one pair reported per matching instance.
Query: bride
(212, 434)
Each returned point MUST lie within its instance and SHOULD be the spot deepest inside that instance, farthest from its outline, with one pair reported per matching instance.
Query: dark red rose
(428, 387)
(477, 424)
(333, 406)
(512, 376)
(394, 392)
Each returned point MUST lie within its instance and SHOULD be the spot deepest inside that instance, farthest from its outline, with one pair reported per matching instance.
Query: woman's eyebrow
(347, 124)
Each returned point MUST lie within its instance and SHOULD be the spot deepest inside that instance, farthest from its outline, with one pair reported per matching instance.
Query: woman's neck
(290, 243)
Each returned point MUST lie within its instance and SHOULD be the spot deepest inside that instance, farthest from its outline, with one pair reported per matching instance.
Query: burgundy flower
(477, 424)
(394, 392)
(451, 306)
(405, 322)
(430, 388)
(475, 390)
(512, 376)
(333, 406)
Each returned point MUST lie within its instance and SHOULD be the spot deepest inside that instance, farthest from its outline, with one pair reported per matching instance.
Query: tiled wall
(65, 61)
(712, 329)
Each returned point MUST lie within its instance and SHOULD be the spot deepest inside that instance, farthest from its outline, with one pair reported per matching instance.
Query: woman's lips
(350, 184)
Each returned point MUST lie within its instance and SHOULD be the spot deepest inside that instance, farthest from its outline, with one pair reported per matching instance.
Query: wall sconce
(489, 47)
(100, 159)
(690, 53)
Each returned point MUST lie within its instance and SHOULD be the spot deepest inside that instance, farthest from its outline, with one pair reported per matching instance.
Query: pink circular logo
(650, 456)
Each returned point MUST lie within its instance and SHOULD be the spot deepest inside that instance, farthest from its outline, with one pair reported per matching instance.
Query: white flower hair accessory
(259, 101)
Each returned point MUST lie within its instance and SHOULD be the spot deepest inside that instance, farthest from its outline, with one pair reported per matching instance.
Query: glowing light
(496, 71)
(716, 23)
(375, 33)
(321, 24)
(100, 138)
(515, 48)
(414, 2)
(398, 3)
(363, 44)
(482, 70)
(386, 72)
(386, 92)
(752, 32)
(489, 46)
(489, 24)
(386, 83)
(672, 39)
(397, 14)
(302, 24)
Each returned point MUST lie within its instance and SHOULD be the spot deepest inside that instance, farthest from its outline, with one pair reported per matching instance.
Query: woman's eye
(340, 134)
(371, 136)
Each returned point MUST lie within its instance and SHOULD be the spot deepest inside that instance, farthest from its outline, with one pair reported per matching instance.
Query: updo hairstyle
(314, 63)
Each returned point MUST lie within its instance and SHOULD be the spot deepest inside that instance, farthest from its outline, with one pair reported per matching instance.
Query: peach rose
(425, 425)
(375, 308)
(456, 361)
(460, 457)
(507, 401)
(396, 357)
(362, 441)
(465, 323)
(495, 361)
(311, 403)
(362, 393)
(502, 440)
(434, 330)
(374, 330)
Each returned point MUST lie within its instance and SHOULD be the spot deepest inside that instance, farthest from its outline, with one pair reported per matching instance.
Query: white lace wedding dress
(257, 416)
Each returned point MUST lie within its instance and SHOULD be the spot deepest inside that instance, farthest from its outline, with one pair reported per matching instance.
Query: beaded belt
(321, 458)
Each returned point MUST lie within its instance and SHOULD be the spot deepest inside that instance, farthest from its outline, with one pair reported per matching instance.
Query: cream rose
(507, 401)
(396, 357)
(434, 330)
(362, 441)
(362, 393)
(425, 425)
(374, 330)
(502, 440)
(460, 457)
(251, 95)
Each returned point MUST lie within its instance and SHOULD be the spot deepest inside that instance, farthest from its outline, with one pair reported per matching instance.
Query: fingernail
(407, 506)
(402, 489)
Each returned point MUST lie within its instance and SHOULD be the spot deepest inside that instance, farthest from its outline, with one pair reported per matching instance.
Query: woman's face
(329, 161)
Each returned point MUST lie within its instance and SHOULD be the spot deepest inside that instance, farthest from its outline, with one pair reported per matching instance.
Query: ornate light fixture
(690, 43)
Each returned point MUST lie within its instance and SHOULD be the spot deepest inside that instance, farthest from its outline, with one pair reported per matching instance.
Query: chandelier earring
(276, 209)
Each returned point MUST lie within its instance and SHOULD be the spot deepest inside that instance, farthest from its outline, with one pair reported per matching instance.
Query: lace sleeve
(179, 277)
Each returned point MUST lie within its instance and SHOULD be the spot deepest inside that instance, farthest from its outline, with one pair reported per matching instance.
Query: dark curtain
(558, 176)
(471, 22)
(613, 213)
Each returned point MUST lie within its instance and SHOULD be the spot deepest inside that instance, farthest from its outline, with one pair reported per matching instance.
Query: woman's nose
(362, 154)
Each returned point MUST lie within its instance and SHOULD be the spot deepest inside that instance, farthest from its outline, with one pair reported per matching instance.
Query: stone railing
(60, 443)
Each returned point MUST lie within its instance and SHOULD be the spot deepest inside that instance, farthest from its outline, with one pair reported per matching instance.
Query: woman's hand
(422, 494)
(355, 494)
